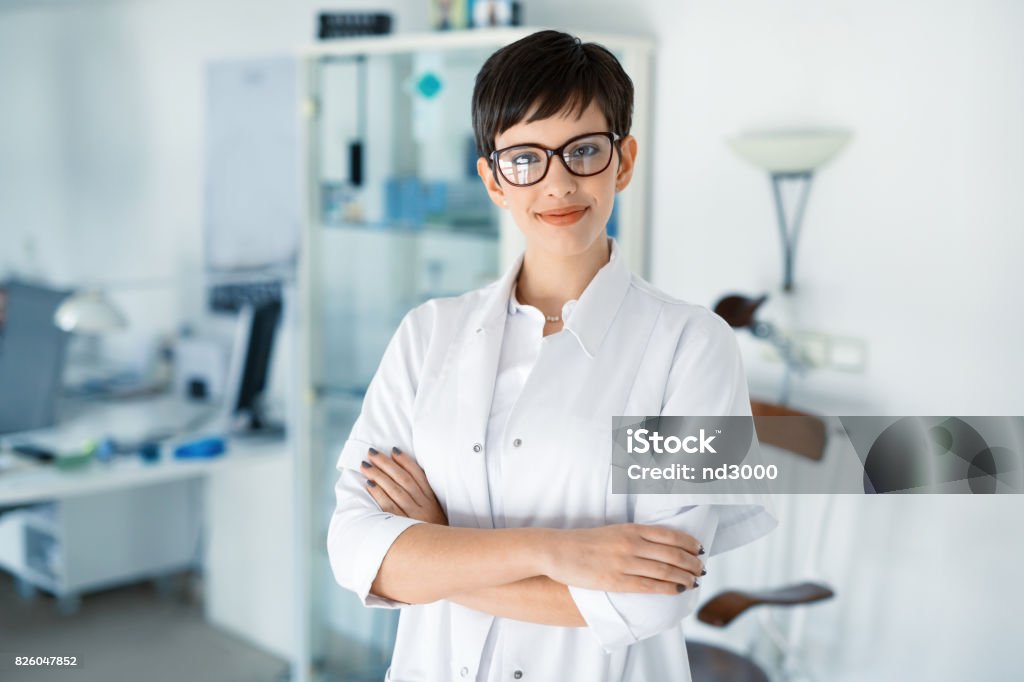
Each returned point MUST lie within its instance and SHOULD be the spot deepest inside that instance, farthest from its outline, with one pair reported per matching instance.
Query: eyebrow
(541, 144)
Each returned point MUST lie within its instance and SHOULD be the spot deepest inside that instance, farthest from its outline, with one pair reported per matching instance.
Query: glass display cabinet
(395, 215)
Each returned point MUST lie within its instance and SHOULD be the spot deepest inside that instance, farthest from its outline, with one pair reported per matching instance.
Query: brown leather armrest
(800, 432)
(724, 607)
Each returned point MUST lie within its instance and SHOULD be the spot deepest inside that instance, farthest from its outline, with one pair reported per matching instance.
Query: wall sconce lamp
(790, 157)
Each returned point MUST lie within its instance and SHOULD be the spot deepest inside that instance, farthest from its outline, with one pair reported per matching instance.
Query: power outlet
(848, 354)
(814, 347)
(824, 351)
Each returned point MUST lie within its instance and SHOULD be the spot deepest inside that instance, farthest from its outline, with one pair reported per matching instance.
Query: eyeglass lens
(527, 164)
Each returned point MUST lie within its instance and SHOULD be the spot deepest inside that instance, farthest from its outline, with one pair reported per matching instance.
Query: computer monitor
(250, 364)
(32, 355)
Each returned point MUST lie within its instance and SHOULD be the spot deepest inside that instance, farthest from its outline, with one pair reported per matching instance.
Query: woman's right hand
(400, 486)
(626, 557)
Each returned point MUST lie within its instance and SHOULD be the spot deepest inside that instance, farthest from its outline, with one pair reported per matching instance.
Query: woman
(475, 487)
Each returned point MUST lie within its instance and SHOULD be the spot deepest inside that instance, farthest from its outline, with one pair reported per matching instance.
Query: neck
(547, 280)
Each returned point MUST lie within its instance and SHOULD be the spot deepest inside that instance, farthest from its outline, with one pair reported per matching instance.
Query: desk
(242, 500)
(124, 420)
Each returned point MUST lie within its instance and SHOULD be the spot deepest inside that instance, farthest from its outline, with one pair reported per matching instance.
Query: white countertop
(27, 481)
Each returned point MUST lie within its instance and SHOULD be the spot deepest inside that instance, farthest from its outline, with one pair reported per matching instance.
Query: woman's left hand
(399, 485)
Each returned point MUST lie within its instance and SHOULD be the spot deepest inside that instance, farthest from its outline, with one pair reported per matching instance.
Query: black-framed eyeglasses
(523, 165)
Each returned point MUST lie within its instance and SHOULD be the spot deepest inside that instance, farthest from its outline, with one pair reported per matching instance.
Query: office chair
(803, 435)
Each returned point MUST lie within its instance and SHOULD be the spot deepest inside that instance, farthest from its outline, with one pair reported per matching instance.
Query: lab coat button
(517, 442)
(477, 447)
(464, 672)
(518, 674)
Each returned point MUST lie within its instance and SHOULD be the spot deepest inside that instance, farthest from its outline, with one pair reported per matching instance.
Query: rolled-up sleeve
(706, 378)
(360, 534)
(618, 619)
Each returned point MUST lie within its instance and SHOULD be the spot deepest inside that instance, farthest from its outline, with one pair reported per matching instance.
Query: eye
(524, 158)
(584, 150)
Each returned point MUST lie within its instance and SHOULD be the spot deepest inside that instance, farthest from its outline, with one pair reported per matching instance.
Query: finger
(399, 475)
(634, 583)
(385, 503)
(668, 554)
(671, 536)
(646, 568)
(383, 478)
(406, 461)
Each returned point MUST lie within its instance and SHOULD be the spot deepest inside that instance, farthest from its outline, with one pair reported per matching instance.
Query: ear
(627, 162)
(494, 190)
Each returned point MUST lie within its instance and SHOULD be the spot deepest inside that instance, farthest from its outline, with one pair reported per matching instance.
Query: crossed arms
(635, 579)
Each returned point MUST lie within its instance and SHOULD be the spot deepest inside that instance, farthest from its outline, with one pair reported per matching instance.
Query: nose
(559, 181)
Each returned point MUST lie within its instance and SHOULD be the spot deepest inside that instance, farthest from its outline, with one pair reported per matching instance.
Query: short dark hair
(554, 71)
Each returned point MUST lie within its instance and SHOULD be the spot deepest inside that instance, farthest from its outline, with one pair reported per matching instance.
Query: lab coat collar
(591, 316)
(479, 358)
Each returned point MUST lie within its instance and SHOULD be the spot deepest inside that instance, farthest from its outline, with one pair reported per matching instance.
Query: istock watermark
(821, 454)
(642, 441)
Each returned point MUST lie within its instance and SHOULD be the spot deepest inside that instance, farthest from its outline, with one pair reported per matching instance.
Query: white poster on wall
(251, 207)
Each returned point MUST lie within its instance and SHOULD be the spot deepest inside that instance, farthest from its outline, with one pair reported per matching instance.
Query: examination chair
(804, 435)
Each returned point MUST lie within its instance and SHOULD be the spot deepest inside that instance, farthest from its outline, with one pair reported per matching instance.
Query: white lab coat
(626, 349)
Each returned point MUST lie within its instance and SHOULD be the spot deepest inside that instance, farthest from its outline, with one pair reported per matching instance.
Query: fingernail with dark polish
(704, 571)
(701, 550)
(680, 588)
(395, 451)
(696, 584)
(366, 465)
(373, 452)
(371, 484)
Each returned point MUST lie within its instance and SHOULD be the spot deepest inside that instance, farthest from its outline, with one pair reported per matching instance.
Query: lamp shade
(796, 151)
(89, 312)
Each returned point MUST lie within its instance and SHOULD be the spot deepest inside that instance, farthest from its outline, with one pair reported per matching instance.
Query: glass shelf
(480, 229)
(397, 216)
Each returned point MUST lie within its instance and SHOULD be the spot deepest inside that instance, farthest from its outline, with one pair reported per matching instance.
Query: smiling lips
(566, 215)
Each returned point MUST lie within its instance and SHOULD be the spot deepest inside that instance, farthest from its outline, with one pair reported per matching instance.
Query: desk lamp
(89, 312)
(790, 157)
